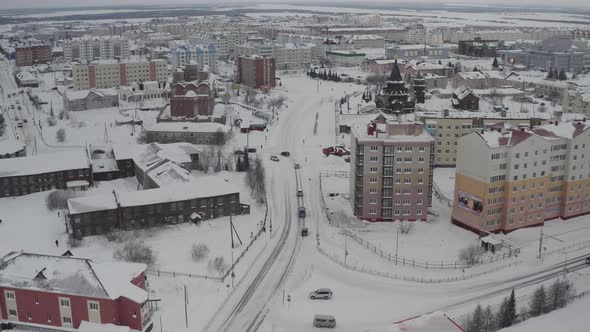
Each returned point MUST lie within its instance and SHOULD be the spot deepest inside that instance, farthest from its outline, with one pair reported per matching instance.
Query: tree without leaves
(60, 135)
(488, 321)
(471, 254)
(218, 265)
(199, 252)
(255, 178)
(136, 252)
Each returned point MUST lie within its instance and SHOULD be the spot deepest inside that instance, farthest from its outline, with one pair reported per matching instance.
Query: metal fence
(419, 279)
(402, 260)
(175, 274)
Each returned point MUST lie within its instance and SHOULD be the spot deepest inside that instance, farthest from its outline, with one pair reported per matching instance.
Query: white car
(322, 293)
(274, 158)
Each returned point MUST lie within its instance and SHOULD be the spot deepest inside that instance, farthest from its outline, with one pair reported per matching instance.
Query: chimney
(371, 129)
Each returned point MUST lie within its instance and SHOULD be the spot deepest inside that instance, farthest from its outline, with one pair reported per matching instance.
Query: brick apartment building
(256, 71)
(112, 73)
(38, 291)
(512, 178)
(32, 52)
(201, 199)
(391, 171)
(59, 170)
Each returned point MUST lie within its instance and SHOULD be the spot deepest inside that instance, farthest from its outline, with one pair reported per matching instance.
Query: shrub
(136, 252)
(218, 265)
(58, 199)
(471, 254)
(60, 135)
(116, 236)
(73, 242)
(199, 252)
(51, 121)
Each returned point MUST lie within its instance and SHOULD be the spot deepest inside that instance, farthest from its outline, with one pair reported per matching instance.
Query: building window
(372, 211)
(12, 312)
(64, 303)
(93, 306)
(36, 299)
(67, 320)
(373, 201)
(374, 148)
(10, 295)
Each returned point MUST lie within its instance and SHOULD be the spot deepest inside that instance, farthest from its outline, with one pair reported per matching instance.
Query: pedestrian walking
(56, 243)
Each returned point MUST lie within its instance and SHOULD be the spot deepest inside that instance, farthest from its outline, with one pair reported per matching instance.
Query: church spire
(395, 73)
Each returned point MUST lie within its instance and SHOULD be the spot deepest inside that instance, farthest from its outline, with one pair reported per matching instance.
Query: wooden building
(59, 170)
(201, 199)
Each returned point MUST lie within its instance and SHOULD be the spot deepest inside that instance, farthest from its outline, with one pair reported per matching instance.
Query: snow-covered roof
(201, 187)
(81, 94)
(567, 130)
(91, 204)
(10, 146)
(155, 153)
(195, 127)
(44, 163)
(72, 276)
(400, 132)
(169, 173)
(86, 326)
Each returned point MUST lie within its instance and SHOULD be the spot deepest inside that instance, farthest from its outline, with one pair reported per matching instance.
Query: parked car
(25, 120)
(19, 108)
(321, 293)
(239, 152)
(324, 321)
(588, 260)
(299, 193)
(274, 158)
(297, 166)
(285, 153)
(20, 124)
(301, 212)
(251, 150)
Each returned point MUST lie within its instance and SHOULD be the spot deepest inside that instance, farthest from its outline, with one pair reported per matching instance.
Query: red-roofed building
(64, 291)
(510, 178)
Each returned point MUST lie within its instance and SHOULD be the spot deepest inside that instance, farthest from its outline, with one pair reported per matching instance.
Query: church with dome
(396, 98)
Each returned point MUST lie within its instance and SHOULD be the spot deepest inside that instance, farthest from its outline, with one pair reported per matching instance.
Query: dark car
(239, 152)
(285, 153)
(304, 231)
(301, 212)
(587, 260)
(251, 150)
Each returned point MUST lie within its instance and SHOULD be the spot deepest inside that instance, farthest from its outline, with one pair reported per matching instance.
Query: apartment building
(293, 56)
(90, 48)
(31, 52)
(576, 101)
(366, 41)
(391, 171)
(225, 42)
(111, 73)
(416, 52)
(508, 179)
(58, 293)
(203, 55)
(449, 126)
(256, 71)
(261, 49)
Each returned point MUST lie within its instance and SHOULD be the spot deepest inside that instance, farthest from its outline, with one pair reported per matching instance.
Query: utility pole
(541, 244)
(396, 244)
(185, 307)
(345, 250)
(231, 231)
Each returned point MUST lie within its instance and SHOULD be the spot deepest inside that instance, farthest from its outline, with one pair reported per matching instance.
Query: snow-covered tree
(538, 302)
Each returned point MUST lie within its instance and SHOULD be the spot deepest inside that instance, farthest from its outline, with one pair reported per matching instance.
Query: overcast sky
(8, 4)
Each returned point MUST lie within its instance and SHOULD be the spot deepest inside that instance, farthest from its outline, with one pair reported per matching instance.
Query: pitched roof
(395, 75)
(72, 276)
